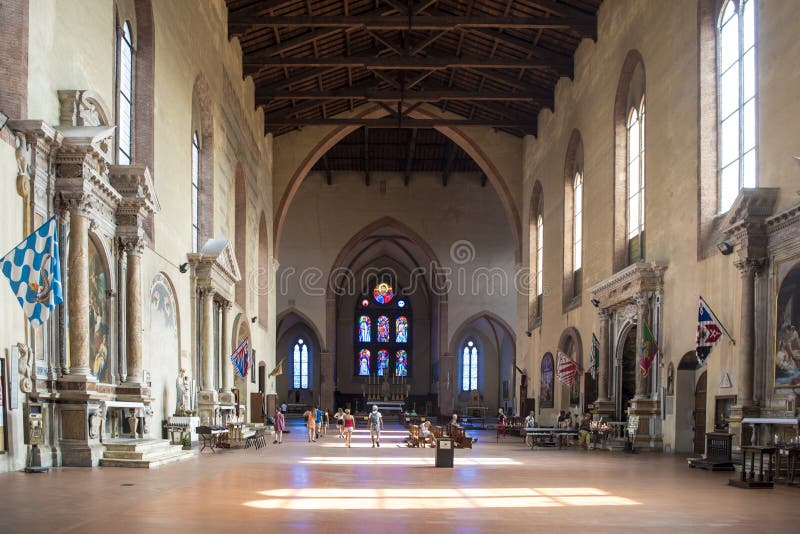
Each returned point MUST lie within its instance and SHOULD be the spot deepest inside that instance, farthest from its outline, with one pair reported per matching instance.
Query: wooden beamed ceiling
(488, 63)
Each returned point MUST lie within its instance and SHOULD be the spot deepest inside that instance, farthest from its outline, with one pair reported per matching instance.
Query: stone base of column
(605, 408)
(78, 447)
(227, 398)
(207, 405)
(648, 437)
(742, 434)
(78, 378)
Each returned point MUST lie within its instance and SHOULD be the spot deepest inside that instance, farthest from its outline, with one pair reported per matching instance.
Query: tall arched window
(300, 364)
(736, 82)
(382, 332)
(195, 192)
(124, 93)
(636, 183)
(574, 180)
(536, 230)
(577, 231)
(469, 363)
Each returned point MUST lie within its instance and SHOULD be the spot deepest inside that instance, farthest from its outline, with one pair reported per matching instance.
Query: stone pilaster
(79, 288)
(133, 312)
(603, 405)
(326, 384)
(748, 268)
(207, 399)
(226, 395)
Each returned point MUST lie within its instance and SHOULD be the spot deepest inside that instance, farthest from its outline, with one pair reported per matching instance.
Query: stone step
(149, 463)
(136, 445)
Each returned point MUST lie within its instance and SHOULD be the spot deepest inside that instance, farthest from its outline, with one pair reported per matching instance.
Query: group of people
(317, 422)
(583, 425)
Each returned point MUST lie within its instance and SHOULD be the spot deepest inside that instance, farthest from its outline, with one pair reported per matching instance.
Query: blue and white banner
(239, 359)
(33, 270)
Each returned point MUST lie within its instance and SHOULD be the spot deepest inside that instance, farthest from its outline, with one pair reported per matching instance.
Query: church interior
(555, 244)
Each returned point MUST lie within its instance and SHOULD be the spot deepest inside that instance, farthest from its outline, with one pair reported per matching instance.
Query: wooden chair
(460, 437)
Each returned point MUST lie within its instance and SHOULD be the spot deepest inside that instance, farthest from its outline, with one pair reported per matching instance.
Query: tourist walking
(339, 417)
(375, 426)
(349, 425)
(311, 416)
(280, 424)
(318, 422)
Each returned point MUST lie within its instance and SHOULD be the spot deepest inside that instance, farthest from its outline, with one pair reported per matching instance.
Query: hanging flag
(709, 332)
(278, 369)
(239, 359)
(33, 270)
(594, 358)
(649, 349)
(567, 369)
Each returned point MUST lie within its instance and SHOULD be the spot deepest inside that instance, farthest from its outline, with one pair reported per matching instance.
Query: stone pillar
(326, 385)
(602, 385)
(641, 316)
(79, 290)
(448, 384)
(227, 368)
(748, 269)
(207, 337)
(134, 313)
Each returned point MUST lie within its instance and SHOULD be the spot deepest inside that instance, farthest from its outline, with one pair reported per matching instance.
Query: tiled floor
(324, 487)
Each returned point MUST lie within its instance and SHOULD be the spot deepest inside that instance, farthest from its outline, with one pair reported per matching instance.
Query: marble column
(133, 324)
(641, 315)
(747, 269)
(602, 385)
(207, 337)
(79, 290)
(227, 367)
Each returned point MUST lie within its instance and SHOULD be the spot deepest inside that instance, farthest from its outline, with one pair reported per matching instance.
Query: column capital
(78, 204)
(642, 300)
(133, 246)
(604, 314)
(750, 266)
(226, 305)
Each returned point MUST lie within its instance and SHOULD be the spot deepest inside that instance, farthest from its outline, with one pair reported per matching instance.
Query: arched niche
(102, 334)
(547, 373)
(293, 325)
(162, 342)
(570, 343)
(240, 332)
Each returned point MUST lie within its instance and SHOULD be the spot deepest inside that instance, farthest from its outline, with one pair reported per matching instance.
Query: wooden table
(210, 436)
(551, 433)
(787, 455)
(752, 479)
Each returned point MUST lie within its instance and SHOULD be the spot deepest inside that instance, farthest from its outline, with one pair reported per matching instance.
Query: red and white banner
(567, 369)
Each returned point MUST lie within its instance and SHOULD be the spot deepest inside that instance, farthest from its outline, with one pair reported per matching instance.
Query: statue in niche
(181, 393)
(25, 368)
(96, 424)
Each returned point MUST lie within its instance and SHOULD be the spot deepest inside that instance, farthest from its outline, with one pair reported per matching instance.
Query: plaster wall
(666, 35)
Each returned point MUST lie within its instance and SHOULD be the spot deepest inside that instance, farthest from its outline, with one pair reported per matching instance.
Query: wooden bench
(460, 437)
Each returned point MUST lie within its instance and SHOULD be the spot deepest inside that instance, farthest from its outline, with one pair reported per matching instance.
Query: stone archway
(240, 332)
(685, 389)
(626, 372)
(466, 142)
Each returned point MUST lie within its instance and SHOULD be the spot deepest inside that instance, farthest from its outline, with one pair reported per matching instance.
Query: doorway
(262, 377)
(700, 414)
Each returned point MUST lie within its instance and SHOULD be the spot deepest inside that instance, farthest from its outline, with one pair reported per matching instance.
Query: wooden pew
(460, 437)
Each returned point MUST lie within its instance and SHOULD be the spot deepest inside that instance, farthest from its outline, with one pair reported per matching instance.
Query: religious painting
(401, 363)
(364, 329)
(383, 293)
(99, 361)
(363, 362)
(401, 329)
(162, 332)
(546, 391)
(787, 322)
(383, 362)
(383, 329)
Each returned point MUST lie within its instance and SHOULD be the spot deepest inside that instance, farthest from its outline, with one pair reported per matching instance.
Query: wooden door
(700, 415)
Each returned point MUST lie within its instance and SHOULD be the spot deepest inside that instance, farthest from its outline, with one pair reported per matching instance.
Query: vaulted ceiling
(488, 62)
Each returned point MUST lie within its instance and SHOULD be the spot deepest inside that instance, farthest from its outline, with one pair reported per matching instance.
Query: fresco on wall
(99, 362)
(163, 326)
(546, 398)
(787, 339)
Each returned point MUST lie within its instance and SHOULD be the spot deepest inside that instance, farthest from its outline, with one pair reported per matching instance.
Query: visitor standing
(326, 419)
(280, 424)
(349, 425)
(310, 416)
(375, 426)
(585, 429)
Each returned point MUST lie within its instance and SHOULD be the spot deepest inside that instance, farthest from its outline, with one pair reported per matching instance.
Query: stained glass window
(401, 329)
(469, 357)
(300, 365)
(383, 362)
(383, 329)
(390, 314)
(364, 329)
(363, 362)
(383, 293)
(401, 363)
